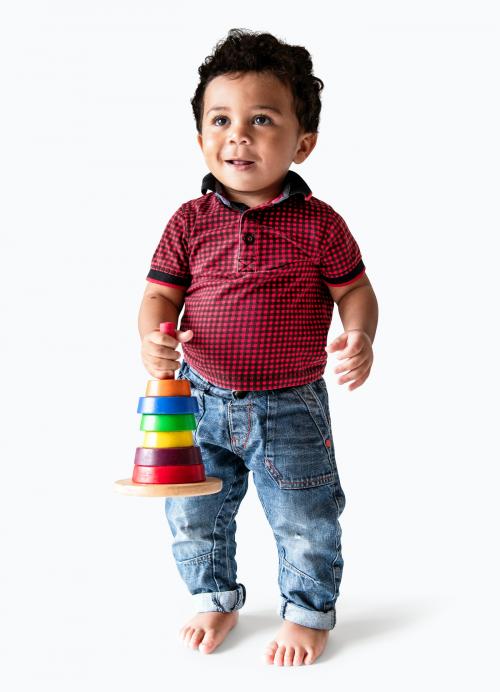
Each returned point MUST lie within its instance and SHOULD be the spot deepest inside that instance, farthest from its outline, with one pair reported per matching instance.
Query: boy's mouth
(240, 163)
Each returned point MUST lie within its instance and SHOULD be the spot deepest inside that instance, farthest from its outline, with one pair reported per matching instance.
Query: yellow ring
(177, 438)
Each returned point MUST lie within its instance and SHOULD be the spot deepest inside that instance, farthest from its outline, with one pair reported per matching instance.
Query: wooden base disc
(207, 487)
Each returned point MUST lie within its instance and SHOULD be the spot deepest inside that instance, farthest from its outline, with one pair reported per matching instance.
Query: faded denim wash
(284, 437)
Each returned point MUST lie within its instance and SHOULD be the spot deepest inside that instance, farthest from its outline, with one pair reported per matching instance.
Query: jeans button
(239, 394)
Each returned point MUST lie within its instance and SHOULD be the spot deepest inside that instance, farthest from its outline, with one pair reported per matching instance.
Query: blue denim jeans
(284, 437)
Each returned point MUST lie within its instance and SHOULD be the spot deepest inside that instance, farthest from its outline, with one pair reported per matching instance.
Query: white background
(98, 150)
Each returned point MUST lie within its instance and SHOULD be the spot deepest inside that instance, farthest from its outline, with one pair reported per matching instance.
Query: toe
(196, 637)
(309, 657)
(278, 657)
(208, 643)
(187, 633)
(288, 657)
(299, 656)
(270, 652)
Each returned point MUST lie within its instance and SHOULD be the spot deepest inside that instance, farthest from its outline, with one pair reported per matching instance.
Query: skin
(273, 141)
(358, 308)
(355, 349)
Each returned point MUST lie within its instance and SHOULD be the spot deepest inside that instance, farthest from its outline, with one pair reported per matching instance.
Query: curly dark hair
(251, 51)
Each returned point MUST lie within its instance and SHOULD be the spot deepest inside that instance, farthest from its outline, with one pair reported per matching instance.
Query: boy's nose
(238, 135)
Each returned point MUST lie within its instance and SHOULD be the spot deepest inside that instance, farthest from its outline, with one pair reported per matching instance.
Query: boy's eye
(223, 117)
(263, 116)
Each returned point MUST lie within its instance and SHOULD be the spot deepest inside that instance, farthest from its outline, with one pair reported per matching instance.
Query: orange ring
(168, 388)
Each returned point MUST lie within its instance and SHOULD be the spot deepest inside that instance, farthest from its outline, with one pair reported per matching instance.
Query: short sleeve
(170, 262)
(340, 256)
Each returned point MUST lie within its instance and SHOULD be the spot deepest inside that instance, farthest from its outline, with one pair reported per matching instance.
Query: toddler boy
(258, 263)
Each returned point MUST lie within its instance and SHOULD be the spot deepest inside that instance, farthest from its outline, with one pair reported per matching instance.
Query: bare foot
(205, 631)
(295, 645)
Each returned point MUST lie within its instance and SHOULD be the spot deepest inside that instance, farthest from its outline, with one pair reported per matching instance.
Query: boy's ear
(199, 139)
(306, 144)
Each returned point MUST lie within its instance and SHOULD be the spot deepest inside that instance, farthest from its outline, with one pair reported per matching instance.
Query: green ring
(168, 422)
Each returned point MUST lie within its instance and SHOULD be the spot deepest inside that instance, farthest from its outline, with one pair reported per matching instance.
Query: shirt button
(249, 238)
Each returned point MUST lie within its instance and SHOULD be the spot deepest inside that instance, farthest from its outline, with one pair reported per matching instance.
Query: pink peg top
(167, 328)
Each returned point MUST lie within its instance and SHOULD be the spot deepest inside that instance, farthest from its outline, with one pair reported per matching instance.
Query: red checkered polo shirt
(255, 282)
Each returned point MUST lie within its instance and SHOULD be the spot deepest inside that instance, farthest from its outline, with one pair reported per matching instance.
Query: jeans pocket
(297, 451)
(320, 391)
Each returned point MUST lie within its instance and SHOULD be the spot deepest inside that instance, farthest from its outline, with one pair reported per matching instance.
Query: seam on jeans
(328, 414)
(236, 505)
(328, 411)
(261, 498)
(234, 447)
(270, 400)
(213, 533)
(249, 412)
(337, 545)
(230, 426)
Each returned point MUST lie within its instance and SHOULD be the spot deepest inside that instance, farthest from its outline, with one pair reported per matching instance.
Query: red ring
(194, 473)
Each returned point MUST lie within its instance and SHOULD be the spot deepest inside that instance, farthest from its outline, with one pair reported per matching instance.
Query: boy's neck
(252, 199)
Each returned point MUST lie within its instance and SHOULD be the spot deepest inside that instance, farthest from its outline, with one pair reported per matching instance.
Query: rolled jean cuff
(220, 601)
(308, 618)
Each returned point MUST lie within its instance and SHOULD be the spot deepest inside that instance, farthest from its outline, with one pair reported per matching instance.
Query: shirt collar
(293, 184)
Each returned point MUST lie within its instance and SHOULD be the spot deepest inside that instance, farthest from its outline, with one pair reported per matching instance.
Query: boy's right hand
(158, 352)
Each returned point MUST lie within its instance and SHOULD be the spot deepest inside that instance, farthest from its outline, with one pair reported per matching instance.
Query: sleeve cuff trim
(160, 277)
(353, 275)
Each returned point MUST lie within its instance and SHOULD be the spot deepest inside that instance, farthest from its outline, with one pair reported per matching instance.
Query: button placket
(247, 239)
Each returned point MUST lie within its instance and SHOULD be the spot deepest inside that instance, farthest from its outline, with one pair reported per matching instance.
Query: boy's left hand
(356, 354)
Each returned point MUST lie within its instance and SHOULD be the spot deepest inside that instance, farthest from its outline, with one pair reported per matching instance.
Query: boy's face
(239, 123)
